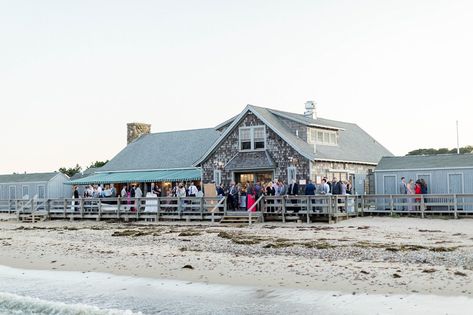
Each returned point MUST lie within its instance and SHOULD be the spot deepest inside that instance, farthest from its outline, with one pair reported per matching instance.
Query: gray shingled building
(259, 144)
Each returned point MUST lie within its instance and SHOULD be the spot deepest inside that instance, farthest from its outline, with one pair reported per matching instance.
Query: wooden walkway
(283, 209)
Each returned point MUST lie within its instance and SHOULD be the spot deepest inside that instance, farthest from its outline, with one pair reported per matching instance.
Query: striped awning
(140, 177)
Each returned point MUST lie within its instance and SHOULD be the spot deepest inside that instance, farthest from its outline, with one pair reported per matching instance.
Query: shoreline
(362, 255)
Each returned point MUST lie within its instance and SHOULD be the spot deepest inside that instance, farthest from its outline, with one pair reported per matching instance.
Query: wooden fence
(284, 208)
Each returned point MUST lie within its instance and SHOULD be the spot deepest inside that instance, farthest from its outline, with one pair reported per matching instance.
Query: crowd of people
(241, 196)
(419, 187)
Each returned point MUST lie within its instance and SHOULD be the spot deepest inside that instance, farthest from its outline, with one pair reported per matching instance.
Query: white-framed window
(12, 193)
(218, 177)
(291, 174)
(252, 138)
(25, 191)
(324, 137)
(41, 192)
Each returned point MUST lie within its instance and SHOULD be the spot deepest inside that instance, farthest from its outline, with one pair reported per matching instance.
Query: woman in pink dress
(250, 192)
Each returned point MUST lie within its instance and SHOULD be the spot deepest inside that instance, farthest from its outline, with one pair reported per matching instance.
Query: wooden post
(65, 207)
(100, 210)
(362, 205)
(48, 208)
(225, 208)
(455, 206)
(81, 209)
(308, 209)
(119, 203)
(261, 206)
(201, 205)
(422, 206)
(283, 209)
(179, 208)
(138, 206)
(158, 210)
(391, 204)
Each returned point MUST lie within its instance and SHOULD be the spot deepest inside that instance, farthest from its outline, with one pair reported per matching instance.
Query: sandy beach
(364, 255)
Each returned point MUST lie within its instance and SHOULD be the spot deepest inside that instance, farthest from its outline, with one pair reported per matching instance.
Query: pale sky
(73, 73)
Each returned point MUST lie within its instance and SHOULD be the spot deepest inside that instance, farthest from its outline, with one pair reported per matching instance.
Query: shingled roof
(417, 162)
(27, 178)
(354, 144)
(164, 150)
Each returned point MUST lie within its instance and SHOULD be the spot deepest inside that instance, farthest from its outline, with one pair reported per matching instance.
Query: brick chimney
(136, 130)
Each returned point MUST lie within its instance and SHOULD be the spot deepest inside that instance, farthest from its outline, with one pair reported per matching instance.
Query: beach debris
(188, 267)
(190, 233)
(429, 270)
(396, 276)
(459, 273)
(443, 249)
(364, 227)
(429, 231)
(364, 272)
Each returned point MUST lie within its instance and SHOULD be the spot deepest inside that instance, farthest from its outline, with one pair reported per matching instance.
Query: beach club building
(34, 185)
(259, 144)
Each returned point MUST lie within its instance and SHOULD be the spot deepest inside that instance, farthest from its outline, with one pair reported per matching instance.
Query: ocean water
(58, 292)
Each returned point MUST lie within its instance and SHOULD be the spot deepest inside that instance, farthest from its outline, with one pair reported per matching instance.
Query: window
(252, 138)
(12, 192)
(324, 137)
(291, 174)
(25, 191)
(41, 192)
(218, 177)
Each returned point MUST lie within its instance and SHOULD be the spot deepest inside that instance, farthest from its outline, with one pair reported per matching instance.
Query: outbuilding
(34, 185)
(443, 174)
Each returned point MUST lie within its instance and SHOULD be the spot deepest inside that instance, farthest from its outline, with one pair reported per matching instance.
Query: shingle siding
(277, 148)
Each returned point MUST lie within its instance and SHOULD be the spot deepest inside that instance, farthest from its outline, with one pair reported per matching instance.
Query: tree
(71, 171)
(432, 151)
(98, 164)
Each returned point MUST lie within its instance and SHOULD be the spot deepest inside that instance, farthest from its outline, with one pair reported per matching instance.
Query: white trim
(37, 190)
(351, 162)
(23, 190)
(301, 121)
(217, 175)
(147, 170)
(462, 182)
(252, 138)
(9, 193)
(426, 169)
(384, 182)
(341, 171)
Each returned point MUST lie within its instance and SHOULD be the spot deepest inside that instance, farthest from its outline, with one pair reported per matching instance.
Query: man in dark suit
(293, 190)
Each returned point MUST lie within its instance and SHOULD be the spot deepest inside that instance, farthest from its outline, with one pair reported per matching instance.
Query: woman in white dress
(411, 191)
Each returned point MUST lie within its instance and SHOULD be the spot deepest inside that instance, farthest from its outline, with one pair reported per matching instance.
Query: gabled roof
(27, 178)
(354, 144)
(164, 150)
(418, 162)
(250, 161)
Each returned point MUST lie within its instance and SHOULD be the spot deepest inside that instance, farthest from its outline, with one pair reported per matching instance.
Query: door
(390, 185)
(455, 186)
(12, 192)
(389, 189)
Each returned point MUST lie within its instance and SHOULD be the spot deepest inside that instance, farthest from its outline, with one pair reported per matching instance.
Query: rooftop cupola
(310, 110)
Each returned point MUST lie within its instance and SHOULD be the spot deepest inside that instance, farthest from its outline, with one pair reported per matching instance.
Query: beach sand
(375, 255)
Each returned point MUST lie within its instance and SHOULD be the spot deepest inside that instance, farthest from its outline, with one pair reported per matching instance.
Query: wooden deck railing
(280, 208)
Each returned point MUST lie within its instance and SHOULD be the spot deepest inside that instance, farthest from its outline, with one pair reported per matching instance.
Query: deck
(283, 209)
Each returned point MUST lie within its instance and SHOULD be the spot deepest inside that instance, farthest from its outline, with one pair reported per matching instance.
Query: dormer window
(323, 137)
(252, 138)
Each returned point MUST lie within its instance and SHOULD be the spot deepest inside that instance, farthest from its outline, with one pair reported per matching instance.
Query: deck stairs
(242, 218)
